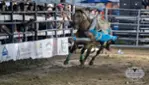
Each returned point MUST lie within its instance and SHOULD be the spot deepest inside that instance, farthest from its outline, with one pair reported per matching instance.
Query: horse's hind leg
(74, 47)
(108, 45)
(93, 58)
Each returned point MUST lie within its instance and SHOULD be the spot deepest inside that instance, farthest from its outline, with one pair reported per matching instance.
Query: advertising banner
(62, 46)
(8, 52)
(24, 50)
(47, 49)
(38, 46)
(35, 50)
(54, 46)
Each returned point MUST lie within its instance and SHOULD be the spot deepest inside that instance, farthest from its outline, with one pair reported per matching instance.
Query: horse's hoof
(81, 65)
(81, 61)
(91, 63)
(65, 62)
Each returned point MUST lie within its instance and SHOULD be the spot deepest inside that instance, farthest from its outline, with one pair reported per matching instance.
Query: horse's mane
(83, 12)
(85, 23)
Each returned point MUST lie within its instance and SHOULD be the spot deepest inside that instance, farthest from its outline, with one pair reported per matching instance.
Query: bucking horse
(83, 24)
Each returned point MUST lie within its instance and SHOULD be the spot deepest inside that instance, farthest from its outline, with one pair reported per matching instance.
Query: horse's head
(79, 17)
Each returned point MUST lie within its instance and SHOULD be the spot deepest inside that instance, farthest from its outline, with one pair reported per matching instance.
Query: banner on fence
(47, 48)
(54, 47)
(25, 50)
(62, 45)
(39, 49)
(8, 52)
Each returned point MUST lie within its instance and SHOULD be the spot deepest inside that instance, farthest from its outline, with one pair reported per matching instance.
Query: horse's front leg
(89, 47)
(74, 47)
(81, 56)
(93, 58)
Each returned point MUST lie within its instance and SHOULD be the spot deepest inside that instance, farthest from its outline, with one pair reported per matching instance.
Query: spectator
(15, 6)
(30, 7)
(61, 15)
(145, 3)
(50, 25)
(50, 10)
(2, 6)
(60, 7)
(66, 16)
(116, 6)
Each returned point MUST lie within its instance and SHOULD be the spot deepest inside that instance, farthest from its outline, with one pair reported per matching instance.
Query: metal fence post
(138, 27)
(12, 25)
(24, 29)
(46, 17)
(36, 24)
(73, 11)
(55, 17)
(106, 14)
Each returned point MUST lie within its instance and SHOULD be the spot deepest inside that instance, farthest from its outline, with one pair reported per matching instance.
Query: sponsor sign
(8, 52)
(62, 46)
(38, 49)
(47, 48)
(5, 54)
(24, 50)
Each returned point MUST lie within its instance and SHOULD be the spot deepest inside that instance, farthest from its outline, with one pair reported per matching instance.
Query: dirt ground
(107, 70)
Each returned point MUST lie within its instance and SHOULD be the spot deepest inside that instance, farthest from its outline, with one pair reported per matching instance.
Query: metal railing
(131, 25)
(132, 28)
(22, 17)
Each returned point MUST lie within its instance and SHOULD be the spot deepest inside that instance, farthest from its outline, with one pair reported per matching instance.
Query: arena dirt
(108, 70)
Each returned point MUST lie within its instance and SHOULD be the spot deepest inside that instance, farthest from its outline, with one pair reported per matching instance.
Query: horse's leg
(74, 47)
(108, 45)
(81, 56)
(93, 58)
(87, 53)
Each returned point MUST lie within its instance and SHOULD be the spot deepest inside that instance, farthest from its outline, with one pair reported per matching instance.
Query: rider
(101, 30)
(97, 30)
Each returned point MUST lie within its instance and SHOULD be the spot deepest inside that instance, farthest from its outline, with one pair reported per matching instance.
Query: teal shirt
(102, 36)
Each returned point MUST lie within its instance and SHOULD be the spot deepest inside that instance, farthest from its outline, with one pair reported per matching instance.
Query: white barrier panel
(8, 52)
(47, 49)
(38, 49)
(25, 50)
(62, 45)
(1, 52)
(55, 47)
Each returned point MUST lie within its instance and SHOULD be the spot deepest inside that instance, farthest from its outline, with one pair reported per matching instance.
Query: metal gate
(130, 25)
